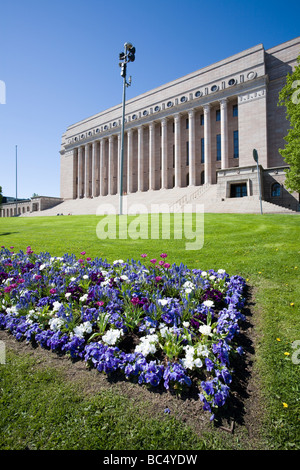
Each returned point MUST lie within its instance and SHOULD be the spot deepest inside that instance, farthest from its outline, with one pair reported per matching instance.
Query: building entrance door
(238, 190)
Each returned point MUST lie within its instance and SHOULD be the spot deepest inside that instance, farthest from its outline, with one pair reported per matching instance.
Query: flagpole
(16, 181)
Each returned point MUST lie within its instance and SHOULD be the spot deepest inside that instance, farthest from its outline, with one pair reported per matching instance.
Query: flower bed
(157, 324)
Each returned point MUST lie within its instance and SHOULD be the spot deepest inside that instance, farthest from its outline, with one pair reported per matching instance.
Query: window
(218, 147)
(202, 119)
(187, 154)
(275, 190)
(238, 190)
(218, 115)
(235, 110)
(186, 123)
(173, 156)
(236, 144)
(202, 150)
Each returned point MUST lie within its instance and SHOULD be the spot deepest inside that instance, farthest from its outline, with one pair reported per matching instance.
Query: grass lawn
(264, 249)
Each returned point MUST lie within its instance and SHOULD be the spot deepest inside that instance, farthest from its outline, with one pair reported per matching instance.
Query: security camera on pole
(127, 56)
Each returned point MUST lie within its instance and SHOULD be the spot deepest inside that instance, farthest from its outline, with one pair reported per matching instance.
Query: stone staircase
(194, 199)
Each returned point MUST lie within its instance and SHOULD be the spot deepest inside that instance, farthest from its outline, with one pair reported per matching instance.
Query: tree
(289, 97)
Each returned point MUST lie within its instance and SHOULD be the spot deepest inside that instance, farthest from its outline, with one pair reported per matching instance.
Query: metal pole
(16, 181)
(127, 56)
(122, 148)
(255, 156)
(258, 176)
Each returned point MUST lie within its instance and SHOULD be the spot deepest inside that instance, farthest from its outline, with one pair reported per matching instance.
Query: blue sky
(59, 62)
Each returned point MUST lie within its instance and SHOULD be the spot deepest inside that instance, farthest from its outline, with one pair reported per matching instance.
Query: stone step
(164, 200)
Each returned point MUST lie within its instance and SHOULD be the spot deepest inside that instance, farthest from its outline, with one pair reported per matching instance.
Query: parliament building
(198, 130)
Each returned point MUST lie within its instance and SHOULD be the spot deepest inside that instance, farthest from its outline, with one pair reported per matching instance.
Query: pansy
(68, 305)
(205, 330)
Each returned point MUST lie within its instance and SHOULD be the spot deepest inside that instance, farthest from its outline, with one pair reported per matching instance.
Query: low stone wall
(22, 207)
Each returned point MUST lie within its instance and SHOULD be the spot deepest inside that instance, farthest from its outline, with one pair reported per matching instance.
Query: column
(140, 158)
(101, 170)
(192, 149)
(207, 144)
(87, 191)
(110, 165)
(164, 154)
(129, 161)
(152, 155)
(94, 168)
(79, 182)
(224, 134)
(177, 143)
(75, 173)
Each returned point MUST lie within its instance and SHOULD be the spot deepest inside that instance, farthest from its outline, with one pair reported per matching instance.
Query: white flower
(85, 276)
(162, 302)
(112, 336)
(198, 362)
(204, 273)
(12, 309)
(42, 267)
(56, 306)
(118, 261)
(208, 303)
(83, 328)
(212, 277)
(124, 277)
(188, 290)
(56, 323)
(188, 362)
(83, 298)
(221, 271)
(202, 350)
(68, 294)
(188, 284)
(147, 345)
(186, 324)
(163, 329)
(205, 330)
(73, 279)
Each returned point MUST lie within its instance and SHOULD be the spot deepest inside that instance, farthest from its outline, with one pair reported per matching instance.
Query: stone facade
(27, 206)
(199, 129)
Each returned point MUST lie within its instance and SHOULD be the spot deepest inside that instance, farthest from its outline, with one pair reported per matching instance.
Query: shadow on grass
(235, 410)
(2, 234)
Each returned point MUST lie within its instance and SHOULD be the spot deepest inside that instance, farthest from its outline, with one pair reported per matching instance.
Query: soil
(241, 418)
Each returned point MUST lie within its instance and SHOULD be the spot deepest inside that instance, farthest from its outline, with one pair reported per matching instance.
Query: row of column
(103, 184)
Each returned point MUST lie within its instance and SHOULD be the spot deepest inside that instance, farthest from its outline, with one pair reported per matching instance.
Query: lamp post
(127, 56)
(255, 156)
(16, 181)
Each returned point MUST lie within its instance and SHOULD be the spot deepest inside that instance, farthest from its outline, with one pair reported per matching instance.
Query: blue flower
(26, 278)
